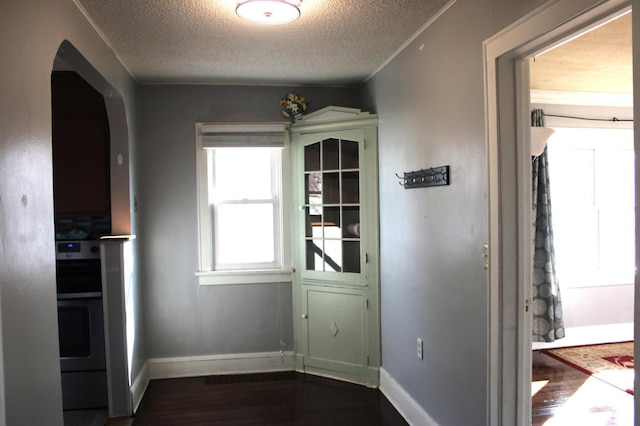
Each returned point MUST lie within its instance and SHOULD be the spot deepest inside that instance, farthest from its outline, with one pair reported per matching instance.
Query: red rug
(610, 362)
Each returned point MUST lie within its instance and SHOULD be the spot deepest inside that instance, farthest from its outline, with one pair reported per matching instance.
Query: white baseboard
(165, 368)
(193, 366)
(139, 386)
(412, 412)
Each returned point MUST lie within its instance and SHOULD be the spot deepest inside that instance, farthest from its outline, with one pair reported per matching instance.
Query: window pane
(615, 195)
(312, 221)
(331, 222)
(617, 242)
(333, 253)
(312, 157)
(242, 173)
(572, 175)
(351, 218)
(330, 154)
(576, 244)
(350, 155)
(313, 190)
(331, 188)
(592, 188)
(314, 255)
(245, 233)
(615, 184)
(351, 256)
(350, 187)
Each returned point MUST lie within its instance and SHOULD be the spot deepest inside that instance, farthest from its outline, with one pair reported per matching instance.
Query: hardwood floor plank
(567, 396)
(296, 400)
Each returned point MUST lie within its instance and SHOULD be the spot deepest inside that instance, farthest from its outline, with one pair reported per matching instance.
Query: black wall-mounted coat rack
(433, 176)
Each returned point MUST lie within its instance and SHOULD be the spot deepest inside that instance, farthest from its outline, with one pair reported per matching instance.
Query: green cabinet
(336, 244)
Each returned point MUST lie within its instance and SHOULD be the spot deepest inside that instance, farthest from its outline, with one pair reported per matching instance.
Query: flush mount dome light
(269, 11)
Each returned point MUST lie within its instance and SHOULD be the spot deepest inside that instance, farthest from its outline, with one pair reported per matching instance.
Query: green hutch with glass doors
(336, 244)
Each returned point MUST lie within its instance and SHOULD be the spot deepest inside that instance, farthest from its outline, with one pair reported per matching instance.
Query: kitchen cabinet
(80, 141)
(336, 244)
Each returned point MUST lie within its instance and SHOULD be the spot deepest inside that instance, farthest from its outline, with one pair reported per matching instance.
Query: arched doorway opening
(104, 208)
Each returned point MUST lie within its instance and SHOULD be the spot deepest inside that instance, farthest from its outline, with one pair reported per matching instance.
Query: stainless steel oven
(81, 325)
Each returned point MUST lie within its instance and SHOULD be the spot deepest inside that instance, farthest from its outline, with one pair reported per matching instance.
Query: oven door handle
(84, 295)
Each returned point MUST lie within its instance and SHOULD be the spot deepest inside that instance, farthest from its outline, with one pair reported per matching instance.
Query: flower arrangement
(294, 106)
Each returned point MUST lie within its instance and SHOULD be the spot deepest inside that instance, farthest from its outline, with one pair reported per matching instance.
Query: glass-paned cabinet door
(332, 205)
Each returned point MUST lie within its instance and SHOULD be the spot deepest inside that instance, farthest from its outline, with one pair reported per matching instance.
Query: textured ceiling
(334, 42)
(598, 61)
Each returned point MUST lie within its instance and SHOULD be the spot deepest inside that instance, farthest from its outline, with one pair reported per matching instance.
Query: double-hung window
(591, 174)
(241, 201)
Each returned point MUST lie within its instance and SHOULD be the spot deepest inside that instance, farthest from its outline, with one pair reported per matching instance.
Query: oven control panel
(72, 250)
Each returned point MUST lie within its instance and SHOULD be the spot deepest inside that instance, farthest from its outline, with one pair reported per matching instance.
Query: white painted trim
(203, 128)
(245, 277)
(193, 366)
(413, 37)
(205, 225)
(331, 114)
(325, 374)
(104, 38)
(408, 408)
(635, 30)
(139, 386)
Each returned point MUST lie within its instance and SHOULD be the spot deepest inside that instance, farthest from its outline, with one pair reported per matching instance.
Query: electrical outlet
(420, 353)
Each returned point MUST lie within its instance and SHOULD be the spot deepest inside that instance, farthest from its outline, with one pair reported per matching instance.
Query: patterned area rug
(611, 362)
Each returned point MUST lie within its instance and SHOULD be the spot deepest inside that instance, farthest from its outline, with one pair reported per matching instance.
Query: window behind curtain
(591, 174)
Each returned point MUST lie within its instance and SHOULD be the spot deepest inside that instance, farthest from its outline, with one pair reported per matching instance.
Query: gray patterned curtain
(546, 305)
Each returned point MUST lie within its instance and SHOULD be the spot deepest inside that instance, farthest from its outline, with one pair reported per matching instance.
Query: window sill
(258, 276)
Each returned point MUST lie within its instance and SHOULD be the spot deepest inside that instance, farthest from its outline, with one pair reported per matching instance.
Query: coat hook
(404, 180)
(433, 176)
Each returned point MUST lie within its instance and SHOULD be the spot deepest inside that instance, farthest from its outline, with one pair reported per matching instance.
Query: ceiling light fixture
(269, 11)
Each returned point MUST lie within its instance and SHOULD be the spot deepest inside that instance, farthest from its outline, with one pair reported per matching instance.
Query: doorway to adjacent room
(508, 133)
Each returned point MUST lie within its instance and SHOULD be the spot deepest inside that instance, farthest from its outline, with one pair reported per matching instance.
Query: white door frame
(509, 196)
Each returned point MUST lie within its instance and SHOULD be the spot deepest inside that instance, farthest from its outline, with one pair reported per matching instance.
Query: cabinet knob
(305, 316)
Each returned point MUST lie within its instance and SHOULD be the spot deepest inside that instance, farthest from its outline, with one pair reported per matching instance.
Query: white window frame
(281, 270)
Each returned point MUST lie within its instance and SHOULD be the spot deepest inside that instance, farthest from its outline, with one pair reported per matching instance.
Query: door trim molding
(507, 148)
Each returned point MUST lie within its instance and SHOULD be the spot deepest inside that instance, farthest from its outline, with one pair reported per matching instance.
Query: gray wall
(601, 305)
(430, 100)
(31, 32)
(182, 317)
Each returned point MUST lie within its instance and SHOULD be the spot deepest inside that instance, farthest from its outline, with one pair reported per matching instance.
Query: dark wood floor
(263, 399)
(567, 396)
(562, 395)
